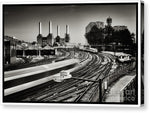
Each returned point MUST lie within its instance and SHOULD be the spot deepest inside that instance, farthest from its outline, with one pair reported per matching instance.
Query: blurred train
(64, 74)
(123, 57)
(88, 49)
(120, 56)
(21, 80)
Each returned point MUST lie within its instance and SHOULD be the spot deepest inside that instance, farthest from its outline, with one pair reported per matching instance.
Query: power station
(49, 39)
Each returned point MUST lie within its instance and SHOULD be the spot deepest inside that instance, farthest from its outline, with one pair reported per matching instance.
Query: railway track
(74, 90)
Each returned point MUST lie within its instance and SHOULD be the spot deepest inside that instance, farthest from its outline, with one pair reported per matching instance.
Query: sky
(22, 21)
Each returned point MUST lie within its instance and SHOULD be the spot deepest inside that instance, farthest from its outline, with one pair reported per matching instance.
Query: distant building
(108, 28)
(98, 24)
(10, 49)
(106, 34)
(67, 36)
(48, 40)
(11, 44)
(109, 21)
(57, 39)
(119, 28)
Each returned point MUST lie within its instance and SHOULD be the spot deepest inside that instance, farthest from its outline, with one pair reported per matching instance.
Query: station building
(10, 49)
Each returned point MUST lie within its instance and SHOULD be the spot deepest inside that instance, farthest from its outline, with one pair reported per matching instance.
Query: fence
(128, 94)
(21, 53)
(107, 80)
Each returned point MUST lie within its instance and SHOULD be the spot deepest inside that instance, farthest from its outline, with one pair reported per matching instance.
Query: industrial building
(100, 24)
(118, 28)
(49, 39)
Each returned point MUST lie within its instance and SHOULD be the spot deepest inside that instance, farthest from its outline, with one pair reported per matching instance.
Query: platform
(32, 83)
(15, 74)
(114, 93)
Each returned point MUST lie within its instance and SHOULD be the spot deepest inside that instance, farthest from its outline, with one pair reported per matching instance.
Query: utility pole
(100, 90)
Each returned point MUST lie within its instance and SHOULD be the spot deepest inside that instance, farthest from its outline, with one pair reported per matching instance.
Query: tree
(95, 36)
(108, 35)
(33, 43)
(123, 36)
(133, 37)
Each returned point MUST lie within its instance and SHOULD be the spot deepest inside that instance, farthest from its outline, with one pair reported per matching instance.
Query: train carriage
(123, 57)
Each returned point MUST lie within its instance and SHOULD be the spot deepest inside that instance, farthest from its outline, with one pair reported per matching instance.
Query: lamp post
(24, 46)
(104, 41)
(100, 90)
(39, 50)
(99, 82)
(114, 48)
(74, 50)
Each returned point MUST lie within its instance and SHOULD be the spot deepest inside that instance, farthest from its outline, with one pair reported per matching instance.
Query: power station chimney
(67, 29)
(40, 28)
(67, 37)
(58, 30)
(50, 27)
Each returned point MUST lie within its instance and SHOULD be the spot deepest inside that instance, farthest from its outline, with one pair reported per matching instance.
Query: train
(88, 49)
(120, 56)
(64, 74)
(123, 57)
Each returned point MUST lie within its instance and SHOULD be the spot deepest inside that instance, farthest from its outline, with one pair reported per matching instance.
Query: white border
(84, 1)
(67, 1)
(139, 53)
